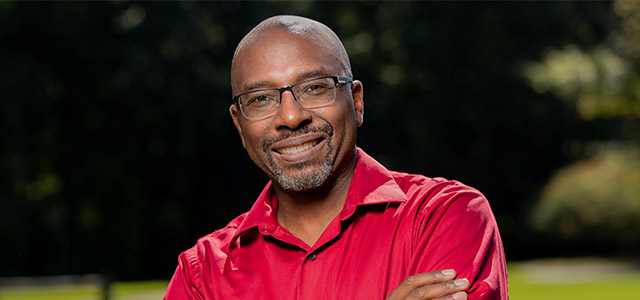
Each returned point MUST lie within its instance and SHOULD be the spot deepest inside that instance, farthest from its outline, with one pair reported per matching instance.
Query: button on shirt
(393, 225)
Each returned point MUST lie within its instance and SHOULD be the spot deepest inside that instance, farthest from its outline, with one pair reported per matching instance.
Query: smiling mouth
(298, 148)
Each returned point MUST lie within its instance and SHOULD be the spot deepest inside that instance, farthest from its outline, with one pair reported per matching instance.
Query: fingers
(432, 285)
(439, 290)
(428, 278)
(456, 296)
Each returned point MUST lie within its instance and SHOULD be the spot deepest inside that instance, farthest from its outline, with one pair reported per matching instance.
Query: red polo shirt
(393, 225)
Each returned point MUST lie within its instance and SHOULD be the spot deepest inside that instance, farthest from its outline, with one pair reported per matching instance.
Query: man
(333, 223)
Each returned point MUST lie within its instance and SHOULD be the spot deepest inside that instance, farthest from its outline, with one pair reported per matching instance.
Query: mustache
(327, 129)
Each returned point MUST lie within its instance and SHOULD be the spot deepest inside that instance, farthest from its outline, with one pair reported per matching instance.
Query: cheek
(251, 137)
(344, 124)
(254, 149)
(253, 130)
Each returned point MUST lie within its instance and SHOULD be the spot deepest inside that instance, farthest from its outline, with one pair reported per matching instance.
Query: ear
(233, 110)
(357, 93)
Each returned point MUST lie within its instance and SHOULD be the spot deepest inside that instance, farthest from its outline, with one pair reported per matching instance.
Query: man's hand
(436, 285)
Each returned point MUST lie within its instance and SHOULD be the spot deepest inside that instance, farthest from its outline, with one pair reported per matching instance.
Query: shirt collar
(262, 213)
(372, 184)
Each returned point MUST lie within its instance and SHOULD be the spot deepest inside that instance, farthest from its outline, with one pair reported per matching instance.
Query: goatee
(302, 177)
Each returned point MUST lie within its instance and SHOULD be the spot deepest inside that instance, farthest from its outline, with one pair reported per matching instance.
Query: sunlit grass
(140, 290)
(616, 288)
(563, 280)
(72, 292)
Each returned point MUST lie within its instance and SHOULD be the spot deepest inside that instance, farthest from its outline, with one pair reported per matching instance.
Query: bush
(594, 202)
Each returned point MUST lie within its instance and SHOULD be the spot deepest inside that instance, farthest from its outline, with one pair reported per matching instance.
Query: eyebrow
(302, 76)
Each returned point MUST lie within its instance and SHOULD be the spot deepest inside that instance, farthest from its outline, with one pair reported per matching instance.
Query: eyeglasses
(310, 93)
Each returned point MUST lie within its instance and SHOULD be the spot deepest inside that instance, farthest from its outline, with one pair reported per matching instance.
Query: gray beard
(302, 180)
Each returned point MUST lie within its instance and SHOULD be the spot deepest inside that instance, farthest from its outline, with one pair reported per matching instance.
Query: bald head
(317, 33)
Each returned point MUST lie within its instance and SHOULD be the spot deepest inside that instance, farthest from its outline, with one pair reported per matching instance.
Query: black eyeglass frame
(336, 79)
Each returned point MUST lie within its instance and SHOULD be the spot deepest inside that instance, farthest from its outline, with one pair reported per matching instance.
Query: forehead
(276, 57)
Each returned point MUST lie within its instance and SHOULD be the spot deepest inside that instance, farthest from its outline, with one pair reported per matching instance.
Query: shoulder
(199, 264)
(453, 227)
(212, 247)
(413, 184)
(429, 195)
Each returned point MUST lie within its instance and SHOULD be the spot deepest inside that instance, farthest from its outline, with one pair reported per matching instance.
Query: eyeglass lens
(310, 94)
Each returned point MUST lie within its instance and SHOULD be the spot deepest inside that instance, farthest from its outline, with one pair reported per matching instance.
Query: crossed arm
(436, 285)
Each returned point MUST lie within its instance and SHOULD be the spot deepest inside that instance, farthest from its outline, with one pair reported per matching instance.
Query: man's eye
(260, 99)
(315, 89)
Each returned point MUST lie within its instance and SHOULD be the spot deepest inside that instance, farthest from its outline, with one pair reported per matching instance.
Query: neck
(307, 214)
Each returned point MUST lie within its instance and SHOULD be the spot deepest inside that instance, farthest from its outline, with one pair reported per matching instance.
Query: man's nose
(291, 114)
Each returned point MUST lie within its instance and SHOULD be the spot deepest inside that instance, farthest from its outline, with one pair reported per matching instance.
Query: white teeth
(298, 148)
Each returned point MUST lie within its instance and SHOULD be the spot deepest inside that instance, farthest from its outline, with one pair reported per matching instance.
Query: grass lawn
(583, 279)
(141, 290)
(535, 280)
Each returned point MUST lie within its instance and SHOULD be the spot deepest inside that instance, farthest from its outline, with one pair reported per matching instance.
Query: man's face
(298, 148)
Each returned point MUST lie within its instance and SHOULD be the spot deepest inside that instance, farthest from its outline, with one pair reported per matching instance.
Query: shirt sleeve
(457, 230)
(183, 284)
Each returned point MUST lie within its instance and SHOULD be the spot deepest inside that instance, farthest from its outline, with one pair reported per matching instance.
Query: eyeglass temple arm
(344, 80)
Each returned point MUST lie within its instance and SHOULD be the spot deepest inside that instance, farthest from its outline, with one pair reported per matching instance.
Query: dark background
(117, 151)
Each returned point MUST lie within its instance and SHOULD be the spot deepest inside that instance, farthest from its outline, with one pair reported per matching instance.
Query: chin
(306, 180)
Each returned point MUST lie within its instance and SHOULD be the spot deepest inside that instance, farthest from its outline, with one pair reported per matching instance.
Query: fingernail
(461, 282)
(449, 273)
(458, 296)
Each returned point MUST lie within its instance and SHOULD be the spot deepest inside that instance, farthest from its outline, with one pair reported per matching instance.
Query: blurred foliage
(595, 201)
(118, 151)
(603, 82)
